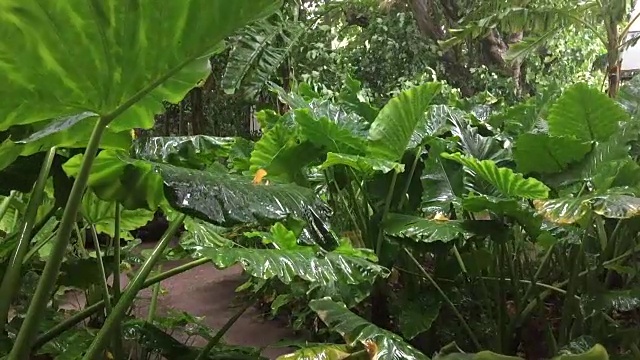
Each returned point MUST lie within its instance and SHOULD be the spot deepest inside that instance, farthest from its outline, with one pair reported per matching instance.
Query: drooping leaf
(541, 153)
(380, 344)
(423, 230)
(214, 196)
(563, 210)
(391, 132)
(616, 206)
(505, 207)
(586, 114)
(568, 210)
(503, 179)
(362, 164)
(323, 352)
(303, 263)
(101, 214)
(195, 152)
(618, 300)
(108, 57)
(258, 53)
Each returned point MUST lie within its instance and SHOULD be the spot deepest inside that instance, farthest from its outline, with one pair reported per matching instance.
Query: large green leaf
(381, 344)
(66, 132)
(541, 153)
(196, 152)
(503, 179)
(281, 153)
(213, 195)
(115, 58)
(423, 230)
(618, 300)
(364, 165)
(469, 139)
(586, 114)
(391, 131)
(258, 53)
(338, 134)
(436, 122)
(102, 215)
(303, 263)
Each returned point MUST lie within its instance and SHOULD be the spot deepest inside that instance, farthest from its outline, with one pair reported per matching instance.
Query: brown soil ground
(210, 293)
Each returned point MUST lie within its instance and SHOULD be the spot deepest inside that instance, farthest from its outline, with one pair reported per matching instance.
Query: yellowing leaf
(260, 174)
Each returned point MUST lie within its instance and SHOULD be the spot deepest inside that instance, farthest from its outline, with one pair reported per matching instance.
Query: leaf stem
(76, 318)
(118, 351)
(464, 323)
(103, 274)
(385, 211)
(98, 344)
(11, 279)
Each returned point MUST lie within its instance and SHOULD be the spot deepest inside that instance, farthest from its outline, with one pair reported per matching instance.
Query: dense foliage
(415, 186)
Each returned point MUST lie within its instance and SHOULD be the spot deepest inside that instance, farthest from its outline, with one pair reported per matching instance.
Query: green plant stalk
(22, 345)
(204, 353)
(11, 279)
(34, 250)
(385, 211)
(407, 184)
(125, 301)
(118, 349)
(103, 274)
(6, 203)
(153, 306)
(450, 303)
(527, 294)
(569, 301)
(78, 317)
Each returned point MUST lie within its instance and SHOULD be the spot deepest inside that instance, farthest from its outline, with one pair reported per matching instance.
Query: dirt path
(209, 292)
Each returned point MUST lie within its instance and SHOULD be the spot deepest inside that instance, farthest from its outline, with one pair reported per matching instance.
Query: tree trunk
(197, 111)
(613, 57)
(492, 45)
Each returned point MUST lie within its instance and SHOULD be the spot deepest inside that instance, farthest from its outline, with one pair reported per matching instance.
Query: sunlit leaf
(303, 263)
(322, 352)
(104, 56)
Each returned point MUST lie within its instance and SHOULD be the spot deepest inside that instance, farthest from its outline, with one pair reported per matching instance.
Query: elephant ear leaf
(118, 59)
(506, 181)
(586, 114)
(392, 130)
(541, 153)
(379, 343)
(211, 195)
